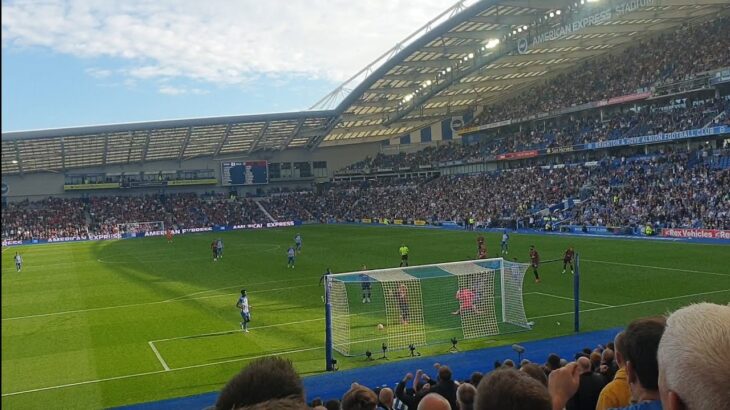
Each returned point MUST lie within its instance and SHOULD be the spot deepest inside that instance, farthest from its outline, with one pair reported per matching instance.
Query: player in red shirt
(168, 235)
(482, 252)
(214, 248)
(466, 298)
(568, 259)
(535, 262)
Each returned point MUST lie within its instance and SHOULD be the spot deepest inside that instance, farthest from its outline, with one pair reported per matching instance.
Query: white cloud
(173, 90)
(99, 72)
(219, 41)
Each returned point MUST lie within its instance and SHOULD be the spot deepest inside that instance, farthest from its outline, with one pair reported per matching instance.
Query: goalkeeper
(366, 287)
(466, 299)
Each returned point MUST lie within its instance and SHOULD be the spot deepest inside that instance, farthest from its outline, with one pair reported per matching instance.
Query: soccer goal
(423, 305)
(135, 228)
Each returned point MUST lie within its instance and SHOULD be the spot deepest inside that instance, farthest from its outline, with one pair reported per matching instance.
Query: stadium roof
(469, 55)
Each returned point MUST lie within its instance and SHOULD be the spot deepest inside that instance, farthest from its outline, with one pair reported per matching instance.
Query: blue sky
(83, 62)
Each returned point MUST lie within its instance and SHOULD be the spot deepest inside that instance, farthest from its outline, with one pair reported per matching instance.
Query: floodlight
(524, 27)
(557, 12)
(471, 55)
(492, 43)
(519, 29)
(448, 69)
(552, 14)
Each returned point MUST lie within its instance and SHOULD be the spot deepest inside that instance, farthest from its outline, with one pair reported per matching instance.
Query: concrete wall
(41, 185)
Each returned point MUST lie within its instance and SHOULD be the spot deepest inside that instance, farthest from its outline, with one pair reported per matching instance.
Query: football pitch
(102, 324)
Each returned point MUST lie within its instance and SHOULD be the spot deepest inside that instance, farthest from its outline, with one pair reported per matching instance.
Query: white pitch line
(312, 349)
(571, 299)
(66, 312)
(632, 304)
(128, 376)
(657, 267)
(159, 356)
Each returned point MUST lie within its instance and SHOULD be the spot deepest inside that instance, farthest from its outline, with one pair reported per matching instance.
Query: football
(380, 326)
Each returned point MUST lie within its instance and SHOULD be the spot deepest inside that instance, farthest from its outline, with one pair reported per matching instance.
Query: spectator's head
(385, 397)
(316, 402)
(333, 404)
(553, 361)
(262, 380)
(278, 404)
(619, 349)
(465, 395)
(511, 389)
(607, 356)
(641, 341)
(475, 378)
(584, 365)
(444, 374)
(508, 363)
(595, 359)
(690, 376)
(536, 372)
(359, 398)
(434, 401)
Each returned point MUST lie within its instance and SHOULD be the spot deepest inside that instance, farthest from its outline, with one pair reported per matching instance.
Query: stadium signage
(559, 150)
(577, 25)
(696, 233)
(517, 155)
(662, 137)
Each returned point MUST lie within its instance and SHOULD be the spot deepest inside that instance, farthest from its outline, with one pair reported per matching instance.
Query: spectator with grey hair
(690, 376)
(465, 395)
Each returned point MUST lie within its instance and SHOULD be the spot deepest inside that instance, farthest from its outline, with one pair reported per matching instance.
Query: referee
(403, 250)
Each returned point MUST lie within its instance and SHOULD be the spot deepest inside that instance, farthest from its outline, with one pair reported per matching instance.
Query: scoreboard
(244, 173)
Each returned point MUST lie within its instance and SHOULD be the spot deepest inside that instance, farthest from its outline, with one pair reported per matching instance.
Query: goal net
(423, 305)
(138, 228)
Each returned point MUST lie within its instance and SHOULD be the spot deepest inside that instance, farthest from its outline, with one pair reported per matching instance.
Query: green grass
(77, 322)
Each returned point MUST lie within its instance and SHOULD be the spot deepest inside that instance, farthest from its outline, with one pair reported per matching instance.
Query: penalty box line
(128, 376)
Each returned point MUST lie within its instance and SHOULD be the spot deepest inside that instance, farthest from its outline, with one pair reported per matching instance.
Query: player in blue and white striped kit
(290, 253)
(298, 242)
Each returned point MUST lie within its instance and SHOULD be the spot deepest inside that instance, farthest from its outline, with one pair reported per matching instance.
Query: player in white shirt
(245, 310)
(18, 262)
(505, 243)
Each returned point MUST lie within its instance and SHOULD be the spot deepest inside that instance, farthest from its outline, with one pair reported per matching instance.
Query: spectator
(385, 399)
(333, 404)
(434, 401)
(475, 378)
(359, 398)
(511, 389)
(264, 379)
(690, 376)
(445, 386)
(465, 395)
(641, 341)
(617, 392)
(536, 372)
(589, 387)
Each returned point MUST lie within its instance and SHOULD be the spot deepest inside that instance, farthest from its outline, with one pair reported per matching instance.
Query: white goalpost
(421, 305)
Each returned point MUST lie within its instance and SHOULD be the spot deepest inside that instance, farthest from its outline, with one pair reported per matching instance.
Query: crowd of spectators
(667, 190)
(654, 363)
(677, 115)
(682, 54)
(78, 218)
(664, 191)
